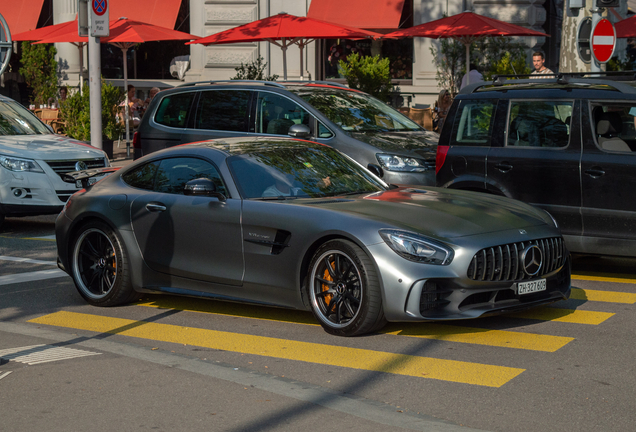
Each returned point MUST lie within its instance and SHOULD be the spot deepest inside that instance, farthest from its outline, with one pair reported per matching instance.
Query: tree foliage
(39, 69)
(75, 111)
(253, 71)
(449, 61)
(368, 74)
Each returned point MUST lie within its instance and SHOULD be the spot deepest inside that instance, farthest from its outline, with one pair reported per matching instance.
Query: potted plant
(75, 111)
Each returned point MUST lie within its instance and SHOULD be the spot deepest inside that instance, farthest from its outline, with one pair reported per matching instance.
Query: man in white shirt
(538, 61)
(472, 77)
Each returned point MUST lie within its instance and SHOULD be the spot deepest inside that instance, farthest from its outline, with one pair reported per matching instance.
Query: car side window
(473, 123)
(173, 110)
(223, 110)
(275, 114)
(142, 177)
(615, 126)
(533, 123)
(323, 131)
(174, 173)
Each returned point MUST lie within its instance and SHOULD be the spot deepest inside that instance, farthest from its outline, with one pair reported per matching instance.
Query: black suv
(565, 144)
(375, 135)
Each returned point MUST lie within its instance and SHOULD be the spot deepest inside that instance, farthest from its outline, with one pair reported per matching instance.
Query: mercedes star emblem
(532, 259)
(80, 165)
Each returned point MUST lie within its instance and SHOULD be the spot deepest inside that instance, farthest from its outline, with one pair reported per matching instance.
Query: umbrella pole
(467, 62)
(127, 109)
(284, 48)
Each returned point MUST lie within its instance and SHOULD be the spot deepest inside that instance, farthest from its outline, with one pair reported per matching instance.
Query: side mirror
(202, 187)
(299, 131)
(376, 169)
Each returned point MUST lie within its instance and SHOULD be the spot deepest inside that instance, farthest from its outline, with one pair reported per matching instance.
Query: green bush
(76, 113)
(253, 71)
(39, 70)
(368, 74)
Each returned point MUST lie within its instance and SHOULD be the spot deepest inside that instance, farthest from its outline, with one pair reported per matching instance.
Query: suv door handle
(503, 166)
(595, 172)
(155, 207)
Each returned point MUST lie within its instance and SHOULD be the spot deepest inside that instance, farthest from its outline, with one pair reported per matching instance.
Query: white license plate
(91, 181)
(531, 286)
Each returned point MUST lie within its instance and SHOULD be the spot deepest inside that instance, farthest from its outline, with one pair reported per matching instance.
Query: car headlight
(19, 164)
(415, 247)
(401, 163)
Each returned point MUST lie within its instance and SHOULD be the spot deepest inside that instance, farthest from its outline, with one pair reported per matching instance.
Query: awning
(21, 16)
(366, 14)
(158, 12)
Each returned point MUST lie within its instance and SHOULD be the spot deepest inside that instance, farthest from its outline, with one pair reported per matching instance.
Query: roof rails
(611, 79)
(330, 83)
(267, 83)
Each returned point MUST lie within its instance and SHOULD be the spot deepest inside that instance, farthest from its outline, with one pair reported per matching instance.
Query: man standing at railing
(538, 61)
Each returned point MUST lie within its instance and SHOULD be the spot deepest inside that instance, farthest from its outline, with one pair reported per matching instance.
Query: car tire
(100, 267)
(343, 289)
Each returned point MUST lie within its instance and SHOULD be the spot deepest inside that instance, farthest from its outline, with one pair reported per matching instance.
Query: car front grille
(65, 166)
(504, 263)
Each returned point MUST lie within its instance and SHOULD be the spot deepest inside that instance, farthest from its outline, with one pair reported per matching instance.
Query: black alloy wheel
(344, 291)
(99, 266)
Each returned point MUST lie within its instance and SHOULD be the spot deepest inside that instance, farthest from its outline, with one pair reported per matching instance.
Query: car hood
(47, 147)
(423, 143)
(443, 213)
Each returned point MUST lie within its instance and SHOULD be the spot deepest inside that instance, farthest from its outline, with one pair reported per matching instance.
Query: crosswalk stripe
(564, 315)
(603, 296)
(353, 358)
(449, 333)
(623, 278)
(31, 276)
(499, 338)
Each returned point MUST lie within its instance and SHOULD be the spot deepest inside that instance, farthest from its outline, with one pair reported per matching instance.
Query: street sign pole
(596, 17)
(97, 27)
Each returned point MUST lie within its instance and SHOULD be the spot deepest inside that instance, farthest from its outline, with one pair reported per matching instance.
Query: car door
(187, 236)
(220, 113)
(609, 197)
(538, 160)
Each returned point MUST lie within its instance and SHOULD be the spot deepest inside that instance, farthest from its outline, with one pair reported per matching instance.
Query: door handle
(595, 172)
(155, 207)
(503, 166)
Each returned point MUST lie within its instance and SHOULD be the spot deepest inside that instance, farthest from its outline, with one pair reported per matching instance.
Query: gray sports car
(293, 223)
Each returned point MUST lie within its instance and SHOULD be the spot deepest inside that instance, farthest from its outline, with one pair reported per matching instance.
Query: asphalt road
(170, 363)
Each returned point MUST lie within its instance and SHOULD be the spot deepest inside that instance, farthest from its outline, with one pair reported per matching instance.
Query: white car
(32, 159)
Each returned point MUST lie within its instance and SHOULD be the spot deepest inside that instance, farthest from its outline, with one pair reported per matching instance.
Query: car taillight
(137, 140)
(441, 157)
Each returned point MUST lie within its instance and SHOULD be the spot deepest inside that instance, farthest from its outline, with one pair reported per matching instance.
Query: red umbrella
(41, 33)
(465, 27)
(288, 29)
(124, 33)
(626, 28)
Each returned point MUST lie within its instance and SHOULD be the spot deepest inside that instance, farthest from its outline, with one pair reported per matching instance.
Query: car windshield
(289, 172)
(17, 120)
(358, 112)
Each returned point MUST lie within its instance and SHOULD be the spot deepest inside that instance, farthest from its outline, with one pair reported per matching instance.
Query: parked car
(32, 159)
(566, 145)
(297, 224)
(394, 147)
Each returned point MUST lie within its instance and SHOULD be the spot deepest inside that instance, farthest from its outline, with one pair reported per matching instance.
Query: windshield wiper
(277, 198)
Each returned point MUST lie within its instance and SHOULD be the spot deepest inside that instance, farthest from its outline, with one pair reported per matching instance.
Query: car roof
(515, 85)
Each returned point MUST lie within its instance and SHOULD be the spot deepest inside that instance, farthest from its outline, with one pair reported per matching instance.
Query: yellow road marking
(564, 315)
(428, 330)
(603, 296)
(500, 338)
(619, 278)
(354, 358)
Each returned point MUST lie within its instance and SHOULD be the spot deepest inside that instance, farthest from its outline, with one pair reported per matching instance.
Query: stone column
(67, 54)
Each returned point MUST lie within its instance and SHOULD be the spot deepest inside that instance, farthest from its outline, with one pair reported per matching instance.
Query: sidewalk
(120, 158)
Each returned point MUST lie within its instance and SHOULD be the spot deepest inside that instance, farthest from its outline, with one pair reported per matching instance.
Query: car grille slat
(65, 166)
(503, 262)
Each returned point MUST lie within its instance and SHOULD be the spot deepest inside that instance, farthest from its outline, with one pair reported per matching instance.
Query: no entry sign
(603, 41)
